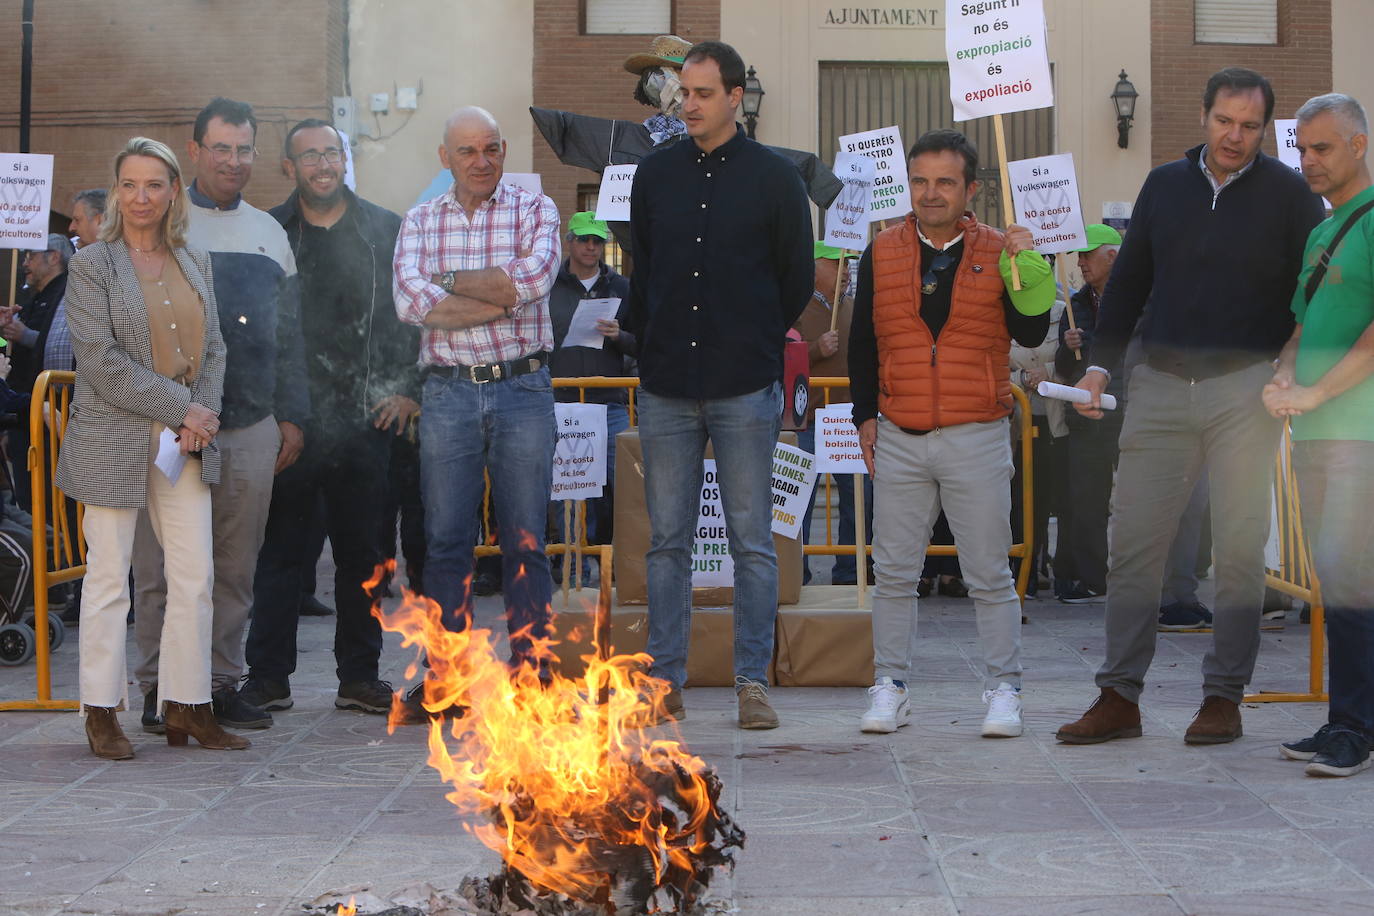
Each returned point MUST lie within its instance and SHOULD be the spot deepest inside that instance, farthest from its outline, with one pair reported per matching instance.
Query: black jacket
(1085, 319)
(37, 315)
(1217, 269)
(574, 362)
(357, 351)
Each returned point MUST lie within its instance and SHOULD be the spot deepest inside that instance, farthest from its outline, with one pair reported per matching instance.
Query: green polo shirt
(1340, 311)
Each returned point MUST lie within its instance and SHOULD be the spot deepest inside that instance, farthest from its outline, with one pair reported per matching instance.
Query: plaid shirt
(438, 236)
(57, 353)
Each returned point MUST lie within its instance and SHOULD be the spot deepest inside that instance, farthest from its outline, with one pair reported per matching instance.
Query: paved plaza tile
(930, 820)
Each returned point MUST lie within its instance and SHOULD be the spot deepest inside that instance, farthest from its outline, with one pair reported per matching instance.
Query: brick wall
(105, 71)
(586, 74)
(1299, 68)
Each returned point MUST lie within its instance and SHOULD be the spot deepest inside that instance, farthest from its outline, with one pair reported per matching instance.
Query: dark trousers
(1336, 480)
(1093, 450)
(350, 475)
(403, 500)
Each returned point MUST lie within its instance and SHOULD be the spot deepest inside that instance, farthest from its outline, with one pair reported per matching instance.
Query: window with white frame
(1238, 22)
(627, 17)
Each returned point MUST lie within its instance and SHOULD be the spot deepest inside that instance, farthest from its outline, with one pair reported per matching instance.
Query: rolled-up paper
(1076, 395)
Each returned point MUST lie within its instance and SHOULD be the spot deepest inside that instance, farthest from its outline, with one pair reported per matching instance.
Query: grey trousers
(1174, 428)
(966, 469)
(239, 504)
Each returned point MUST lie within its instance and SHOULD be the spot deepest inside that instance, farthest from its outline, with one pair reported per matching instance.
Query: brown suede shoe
(1216, 722)
(105, 736)
(1110, 716)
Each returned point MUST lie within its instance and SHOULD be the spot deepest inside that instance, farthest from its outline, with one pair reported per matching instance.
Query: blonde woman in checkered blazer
(149, 360)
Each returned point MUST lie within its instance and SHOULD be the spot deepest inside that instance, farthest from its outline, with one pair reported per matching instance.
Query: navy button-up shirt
(722, 248)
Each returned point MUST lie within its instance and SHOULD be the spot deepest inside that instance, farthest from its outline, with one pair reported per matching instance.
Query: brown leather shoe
(1217, 722)
(1110, 716)
(105, 736)
(198, 721)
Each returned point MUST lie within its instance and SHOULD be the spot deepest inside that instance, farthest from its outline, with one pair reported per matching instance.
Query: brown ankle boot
(198, 721)
(1110, 716)
(1216, 722)
(105, 736)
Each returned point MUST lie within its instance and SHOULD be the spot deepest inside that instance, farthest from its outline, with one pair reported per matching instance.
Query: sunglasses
(931, 281)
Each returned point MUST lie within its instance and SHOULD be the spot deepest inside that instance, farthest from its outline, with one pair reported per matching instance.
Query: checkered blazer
(104, 457)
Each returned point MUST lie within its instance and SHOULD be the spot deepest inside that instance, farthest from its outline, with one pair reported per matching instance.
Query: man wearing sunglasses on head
(929, 356)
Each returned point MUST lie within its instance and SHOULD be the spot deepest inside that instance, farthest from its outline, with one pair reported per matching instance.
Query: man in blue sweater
(1215, 246)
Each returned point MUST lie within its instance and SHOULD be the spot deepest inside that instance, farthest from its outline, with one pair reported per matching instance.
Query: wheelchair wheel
(17, 642)
(57, 631)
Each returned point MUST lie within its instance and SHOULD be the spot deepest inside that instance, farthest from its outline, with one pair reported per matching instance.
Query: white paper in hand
(170, 461)
(582, 330)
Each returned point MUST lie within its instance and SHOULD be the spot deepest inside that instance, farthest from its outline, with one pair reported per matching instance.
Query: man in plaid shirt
(474, 268)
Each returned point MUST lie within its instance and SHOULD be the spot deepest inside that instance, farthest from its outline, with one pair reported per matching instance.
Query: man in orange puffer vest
(929, 351)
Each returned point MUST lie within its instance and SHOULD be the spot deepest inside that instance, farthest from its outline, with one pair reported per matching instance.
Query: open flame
(347, 909)
(559, 776)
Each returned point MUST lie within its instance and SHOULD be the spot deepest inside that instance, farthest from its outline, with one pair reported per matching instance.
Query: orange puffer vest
(964, 376)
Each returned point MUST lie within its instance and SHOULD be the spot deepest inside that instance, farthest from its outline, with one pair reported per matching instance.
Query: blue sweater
(258, 297)
(1218, 270)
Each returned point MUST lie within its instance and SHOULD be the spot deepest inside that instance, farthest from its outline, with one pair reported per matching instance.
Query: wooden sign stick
(835, 300)
(1007, 211)
(14, 276)
(1068, 306)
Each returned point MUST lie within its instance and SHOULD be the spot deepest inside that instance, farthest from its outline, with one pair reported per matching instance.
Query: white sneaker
(888, 708)
(1004, 712)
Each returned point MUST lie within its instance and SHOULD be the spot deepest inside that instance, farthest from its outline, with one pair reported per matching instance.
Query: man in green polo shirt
(1325, 383)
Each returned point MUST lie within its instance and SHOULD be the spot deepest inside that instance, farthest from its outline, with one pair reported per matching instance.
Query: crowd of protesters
(239, 372)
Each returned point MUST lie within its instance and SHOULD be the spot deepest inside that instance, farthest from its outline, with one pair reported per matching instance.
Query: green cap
(822, 250)
(1100, 234)
(586, 223)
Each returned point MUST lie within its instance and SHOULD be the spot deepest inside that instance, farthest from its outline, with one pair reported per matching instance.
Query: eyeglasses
(931, 282)
(311, 157)
(589, 238)
(221, 152)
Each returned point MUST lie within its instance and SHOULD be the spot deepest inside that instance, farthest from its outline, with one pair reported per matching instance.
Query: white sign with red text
(837, 441)
(1044, 191)
(579, 457)
(998, 62)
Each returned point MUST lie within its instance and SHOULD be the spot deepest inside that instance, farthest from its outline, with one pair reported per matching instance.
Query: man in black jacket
(1215, 246)
(361, 370)
(586, 275)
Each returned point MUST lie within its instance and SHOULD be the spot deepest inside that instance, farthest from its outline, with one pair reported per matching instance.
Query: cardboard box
(632, 535)
(826, 641)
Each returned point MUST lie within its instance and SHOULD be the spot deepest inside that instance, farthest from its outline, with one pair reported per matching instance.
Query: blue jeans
(506, 428)
(1336, 484)
(673, 433)
(843, 498)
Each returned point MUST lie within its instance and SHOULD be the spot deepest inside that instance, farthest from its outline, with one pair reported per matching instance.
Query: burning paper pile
(590, 813)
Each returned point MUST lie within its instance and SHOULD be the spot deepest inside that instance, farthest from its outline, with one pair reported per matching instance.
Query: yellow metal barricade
(49, 409)
(1295, 575)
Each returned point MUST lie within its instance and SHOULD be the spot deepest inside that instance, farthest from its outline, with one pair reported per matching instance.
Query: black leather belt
(915, 432)
(493, 372)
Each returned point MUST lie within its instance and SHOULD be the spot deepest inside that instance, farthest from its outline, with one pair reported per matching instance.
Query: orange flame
(552, 767)
(347, 909)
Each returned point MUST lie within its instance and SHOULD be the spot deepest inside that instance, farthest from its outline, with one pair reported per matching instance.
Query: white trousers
(180, 518)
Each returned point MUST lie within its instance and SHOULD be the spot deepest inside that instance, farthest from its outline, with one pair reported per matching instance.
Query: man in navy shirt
(722, 242)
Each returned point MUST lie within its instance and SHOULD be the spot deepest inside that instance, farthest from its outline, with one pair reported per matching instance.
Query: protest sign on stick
(25, 199)
(1045, 193)
(998, 64)
(890, 197)
(846, 222)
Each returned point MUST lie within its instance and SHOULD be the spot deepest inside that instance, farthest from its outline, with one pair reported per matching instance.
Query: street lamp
(1123, 97)
(753, 98)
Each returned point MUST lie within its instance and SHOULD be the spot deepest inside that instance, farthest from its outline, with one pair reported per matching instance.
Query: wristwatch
(445, 280)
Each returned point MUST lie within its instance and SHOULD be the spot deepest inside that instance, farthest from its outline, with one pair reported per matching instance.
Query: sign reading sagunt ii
(998, 62)
(889, 196)
(846, 222)
(1045, 190)
(25, 198)
(613, 201)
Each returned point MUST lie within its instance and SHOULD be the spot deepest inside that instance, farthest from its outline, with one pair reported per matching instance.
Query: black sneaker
(372, 696)
(152, 722)
(484, 585)
(231, 709)
(1343, 753)
(1078, 593)
(1306, 748)
(266, 693)
(1184, 617)
(413, 710)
